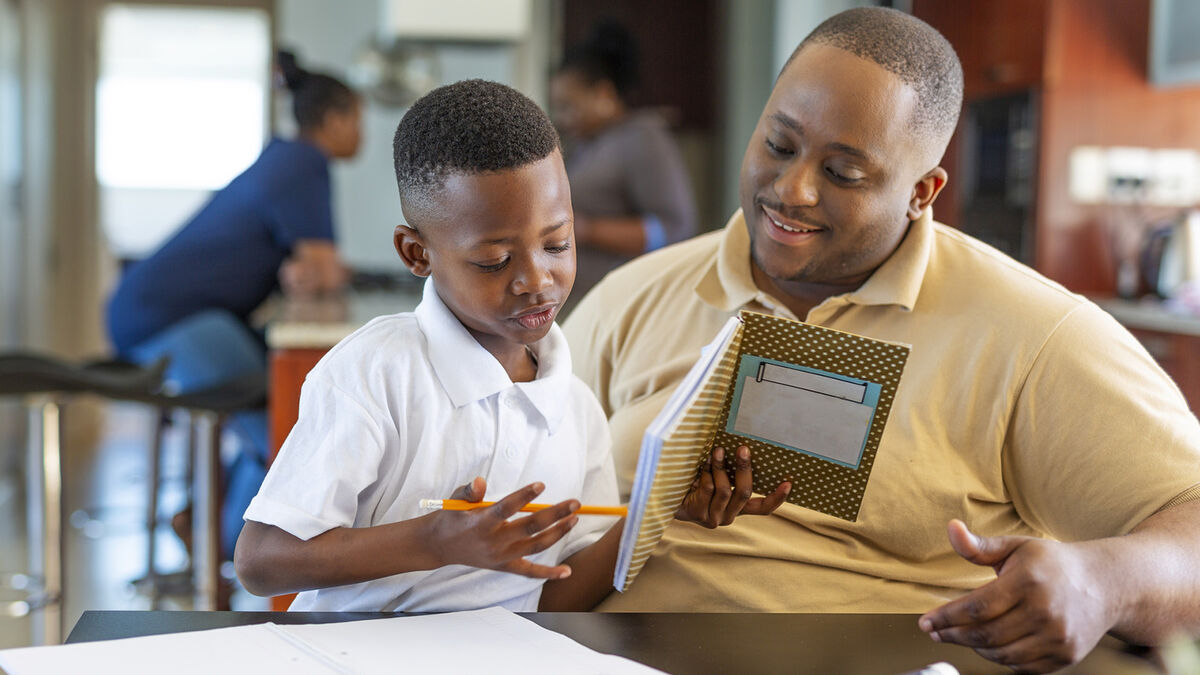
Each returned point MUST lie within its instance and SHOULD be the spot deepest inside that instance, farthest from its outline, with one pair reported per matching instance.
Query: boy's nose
(532, 279)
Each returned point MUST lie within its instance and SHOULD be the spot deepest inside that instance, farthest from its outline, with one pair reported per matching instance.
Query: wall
(328, 36)
(747, 81)
(1096, 93)
(795, 19)
(759, 37)
(65, 260)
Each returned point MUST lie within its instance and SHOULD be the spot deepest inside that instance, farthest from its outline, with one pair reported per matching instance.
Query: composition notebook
(810, 403)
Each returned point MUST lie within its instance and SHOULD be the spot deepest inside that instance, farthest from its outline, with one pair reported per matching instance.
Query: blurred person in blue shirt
(271, 228)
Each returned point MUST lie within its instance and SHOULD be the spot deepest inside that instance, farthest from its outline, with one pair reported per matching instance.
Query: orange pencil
(464, 505)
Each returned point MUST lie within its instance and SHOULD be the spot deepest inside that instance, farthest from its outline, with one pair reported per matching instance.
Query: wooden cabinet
(288, 369)
(1084, 65)
(1001, 44)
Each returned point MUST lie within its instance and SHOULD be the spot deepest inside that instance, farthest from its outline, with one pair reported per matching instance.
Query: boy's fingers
(527, 569)
(511, 504)
(548, 517)
(547, 537)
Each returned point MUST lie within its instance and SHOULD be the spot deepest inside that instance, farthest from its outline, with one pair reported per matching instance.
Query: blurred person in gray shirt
(629, 187)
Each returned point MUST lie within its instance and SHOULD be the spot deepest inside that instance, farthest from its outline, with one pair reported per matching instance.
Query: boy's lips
(787, 230)
(537, 316)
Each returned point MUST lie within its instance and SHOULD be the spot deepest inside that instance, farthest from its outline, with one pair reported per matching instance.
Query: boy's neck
(517, 359)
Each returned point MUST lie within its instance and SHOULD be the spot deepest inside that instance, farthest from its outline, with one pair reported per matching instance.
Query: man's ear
(411, 246)
(925, 191)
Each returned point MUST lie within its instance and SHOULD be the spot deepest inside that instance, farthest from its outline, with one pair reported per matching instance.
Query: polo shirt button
(510, 452)
(509, 402)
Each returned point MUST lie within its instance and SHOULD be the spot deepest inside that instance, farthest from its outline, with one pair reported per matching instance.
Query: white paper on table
(241, 649)
(492, 640)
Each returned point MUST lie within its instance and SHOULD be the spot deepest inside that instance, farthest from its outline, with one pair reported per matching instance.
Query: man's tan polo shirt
(1024, 409)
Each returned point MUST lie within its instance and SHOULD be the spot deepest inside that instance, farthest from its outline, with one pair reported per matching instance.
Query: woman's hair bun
(293, 74)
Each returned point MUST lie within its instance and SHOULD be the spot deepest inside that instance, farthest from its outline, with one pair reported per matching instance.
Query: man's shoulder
(967, 270)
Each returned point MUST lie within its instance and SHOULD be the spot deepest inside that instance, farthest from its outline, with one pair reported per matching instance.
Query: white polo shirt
(410, 406)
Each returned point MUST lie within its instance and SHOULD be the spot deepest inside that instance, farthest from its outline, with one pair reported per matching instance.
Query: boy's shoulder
(377, 348)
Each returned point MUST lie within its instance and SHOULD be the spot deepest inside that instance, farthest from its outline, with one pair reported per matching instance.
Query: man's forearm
(1156, 571)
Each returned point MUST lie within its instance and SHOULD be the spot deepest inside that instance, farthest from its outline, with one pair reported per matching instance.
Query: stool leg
(206, 512)
(152, 485)
(45, 517)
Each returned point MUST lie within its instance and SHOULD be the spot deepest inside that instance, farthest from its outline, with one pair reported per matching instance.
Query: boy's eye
(492, 267)
(559, 248)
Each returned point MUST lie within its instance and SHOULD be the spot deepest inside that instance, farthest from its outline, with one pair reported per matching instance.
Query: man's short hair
(470, 127)
(907, 47)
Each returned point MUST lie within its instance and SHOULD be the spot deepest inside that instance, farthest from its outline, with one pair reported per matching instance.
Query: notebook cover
(766, 348)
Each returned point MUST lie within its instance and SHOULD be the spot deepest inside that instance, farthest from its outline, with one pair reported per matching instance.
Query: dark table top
(862, 644)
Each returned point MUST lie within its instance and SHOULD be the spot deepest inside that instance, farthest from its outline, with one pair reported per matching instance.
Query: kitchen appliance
(1171, 256)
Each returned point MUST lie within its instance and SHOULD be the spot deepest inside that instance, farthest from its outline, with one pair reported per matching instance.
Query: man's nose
(796, 185)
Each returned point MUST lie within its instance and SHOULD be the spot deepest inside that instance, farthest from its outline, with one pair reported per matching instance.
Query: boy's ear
(411, 247)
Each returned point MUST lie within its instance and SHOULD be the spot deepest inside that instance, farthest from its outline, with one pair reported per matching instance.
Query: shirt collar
(728, 284)
(470, 373)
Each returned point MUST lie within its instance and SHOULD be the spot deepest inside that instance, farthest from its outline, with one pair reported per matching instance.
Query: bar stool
(208, 411)
(46, 383)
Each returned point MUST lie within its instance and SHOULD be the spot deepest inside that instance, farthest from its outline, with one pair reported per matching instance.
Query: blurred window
(181, 109)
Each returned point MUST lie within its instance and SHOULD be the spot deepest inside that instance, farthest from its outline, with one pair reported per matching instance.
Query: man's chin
(778, 270)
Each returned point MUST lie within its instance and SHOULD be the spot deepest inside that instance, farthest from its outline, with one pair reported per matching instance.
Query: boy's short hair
(470, 127)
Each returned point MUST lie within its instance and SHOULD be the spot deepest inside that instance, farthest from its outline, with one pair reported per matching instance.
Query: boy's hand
(484, 537)
(712, 501)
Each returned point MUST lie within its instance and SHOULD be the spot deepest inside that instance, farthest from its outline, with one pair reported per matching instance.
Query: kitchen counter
(1150, 314)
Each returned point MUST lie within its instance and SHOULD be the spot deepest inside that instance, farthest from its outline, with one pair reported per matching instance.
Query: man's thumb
(989, 551)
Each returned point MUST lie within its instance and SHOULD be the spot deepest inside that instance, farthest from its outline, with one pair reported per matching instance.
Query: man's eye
(840, 177)
(492, 267)
(777, 149)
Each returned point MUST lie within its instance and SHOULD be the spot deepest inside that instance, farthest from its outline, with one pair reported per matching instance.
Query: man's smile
(789, 231)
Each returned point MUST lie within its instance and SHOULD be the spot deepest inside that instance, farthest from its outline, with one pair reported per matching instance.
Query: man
(1024, 410)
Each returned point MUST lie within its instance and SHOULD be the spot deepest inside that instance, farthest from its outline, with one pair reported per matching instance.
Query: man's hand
(712, 501)
(1045, 609)
(486, 538)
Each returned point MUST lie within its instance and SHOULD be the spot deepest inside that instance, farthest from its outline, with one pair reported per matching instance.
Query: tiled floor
(106, 455)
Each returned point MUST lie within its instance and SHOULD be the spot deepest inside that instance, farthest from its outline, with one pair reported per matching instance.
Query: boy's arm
(269, 561)
(711, 502)
(591, 576)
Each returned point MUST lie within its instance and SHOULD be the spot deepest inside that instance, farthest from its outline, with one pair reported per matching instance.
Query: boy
(476, 382)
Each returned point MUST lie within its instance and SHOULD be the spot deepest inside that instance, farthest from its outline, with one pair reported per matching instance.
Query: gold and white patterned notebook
(810, 403)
